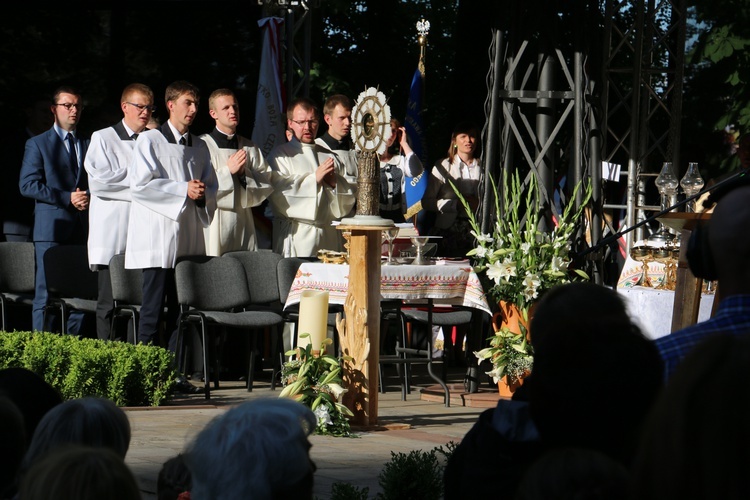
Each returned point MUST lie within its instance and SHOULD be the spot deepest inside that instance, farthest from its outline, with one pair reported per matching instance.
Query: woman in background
(462, 168)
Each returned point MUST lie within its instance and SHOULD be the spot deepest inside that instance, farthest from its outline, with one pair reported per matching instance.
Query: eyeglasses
(142, 107)
(309, 123)
(70, 105)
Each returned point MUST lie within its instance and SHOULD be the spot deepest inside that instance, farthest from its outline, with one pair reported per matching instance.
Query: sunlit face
(226, 112)
(466, 144)
(67, 111)
(137, 109)
(182, 111)
(339, 122)
(304, 125)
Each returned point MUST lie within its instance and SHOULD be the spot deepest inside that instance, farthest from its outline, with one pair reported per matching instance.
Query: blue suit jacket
(46, 177)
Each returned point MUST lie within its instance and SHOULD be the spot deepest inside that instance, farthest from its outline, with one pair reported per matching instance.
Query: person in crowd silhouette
(90, 421)
(77, 472)
(174, 481)
(259, 449)
(577, 330)
(695, 442)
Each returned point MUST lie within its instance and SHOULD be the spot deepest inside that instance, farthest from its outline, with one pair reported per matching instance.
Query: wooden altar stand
(688, 287)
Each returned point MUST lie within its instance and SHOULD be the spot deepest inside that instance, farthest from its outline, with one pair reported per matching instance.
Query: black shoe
(183, 386)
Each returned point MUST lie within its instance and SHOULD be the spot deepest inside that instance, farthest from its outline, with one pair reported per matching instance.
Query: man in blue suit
(52, 174)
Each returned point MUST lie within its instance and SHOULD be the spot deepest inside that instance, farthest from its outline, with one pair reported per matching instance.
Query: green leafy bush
(416, 475)
(346, 491)
(127, 374)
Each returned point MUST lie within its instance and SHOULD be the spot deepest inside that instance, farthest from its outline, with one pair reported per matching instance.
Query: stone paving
(422, 422)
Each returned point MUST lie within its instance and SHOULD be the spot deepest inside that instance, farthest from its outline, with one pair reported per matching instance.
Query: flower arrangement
(521, 263)
(315, 381)
(518, 264)
(510, 353)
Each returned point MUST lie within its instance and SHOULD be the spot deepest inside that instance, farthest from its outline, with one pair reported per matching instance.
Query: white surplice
(302, 209)
(106, 163)
(233, 227)
(348, 157)
(164, 222)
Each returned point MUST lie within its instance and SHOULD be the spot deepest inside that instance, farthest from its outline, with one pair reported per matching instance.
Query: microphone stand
(614, 237)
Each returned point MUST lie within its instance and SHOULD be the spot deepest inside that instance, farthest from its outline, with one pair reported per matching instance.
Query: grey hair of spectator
(76, 472)
(257, 450)
(90, 421)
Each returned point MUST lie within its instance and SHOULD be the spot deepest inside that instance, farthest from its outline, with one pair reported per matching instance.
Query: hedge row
(129, 375)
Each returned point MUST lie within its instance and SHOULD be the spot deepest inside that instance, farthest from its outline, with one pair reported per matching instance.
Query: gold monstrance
(371, 129)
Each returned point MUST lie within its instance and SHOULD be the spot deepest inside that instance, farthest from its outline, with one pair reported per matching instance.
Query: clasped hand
(79, 199)
(196, 189)
(326, 173)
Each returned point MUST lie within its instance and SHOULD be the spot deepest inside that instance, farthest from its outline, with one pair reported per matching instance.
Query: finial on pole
(423, 27)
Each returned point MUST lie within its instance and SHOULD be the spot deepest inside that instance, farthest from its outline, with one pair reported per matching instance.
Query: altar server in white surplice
(173, 187)
(243, 175)
(310, 189)
(107, 161)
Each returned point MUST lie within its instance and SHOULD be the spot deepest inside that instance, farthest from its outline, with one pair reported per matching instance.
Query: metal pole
(493, 137)
(545, 122)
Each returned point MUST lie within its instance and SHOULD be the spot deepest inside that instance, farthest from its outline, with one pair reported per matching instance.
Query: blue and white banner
(416, 186)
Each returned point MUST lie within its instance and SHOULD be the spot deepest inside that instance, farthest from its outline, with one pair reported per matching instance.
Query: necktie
(182, 141)
(72, 152)
(134, 136)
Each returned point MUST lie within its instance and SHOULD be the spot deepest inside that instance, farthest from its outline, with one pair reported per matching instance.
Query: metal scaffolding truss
(643, 78)
(296, 44)
(557, 108)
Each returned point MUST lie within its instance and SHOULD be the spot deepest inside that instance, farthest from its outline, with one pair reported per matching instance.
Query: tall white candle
(313, 318)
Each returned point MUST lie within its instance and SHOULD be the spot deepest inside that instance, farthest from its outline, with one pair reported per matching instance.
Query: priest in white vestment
(310, 188)
(243, 175)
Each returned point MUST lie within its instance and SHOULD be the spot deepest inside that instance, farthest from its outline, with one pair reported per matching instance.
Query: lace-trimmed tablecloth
(449, 284)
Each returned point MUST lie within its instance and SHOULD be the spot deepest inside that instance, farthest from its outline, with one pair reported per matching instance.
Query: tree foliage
(717, 92)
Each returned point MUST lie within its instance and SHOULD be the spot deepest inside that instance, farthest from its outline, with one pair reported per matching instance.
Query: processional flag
(416, 186)
(270, 122)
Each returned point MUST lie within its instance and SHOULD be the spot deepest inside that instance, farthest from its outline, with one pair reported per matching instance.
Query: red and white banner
(270, 119)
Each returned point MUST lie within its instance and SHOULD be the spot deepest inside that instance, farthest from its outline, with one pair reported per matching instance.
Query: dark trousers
(104, 304)
(42, 318)
(159, 291)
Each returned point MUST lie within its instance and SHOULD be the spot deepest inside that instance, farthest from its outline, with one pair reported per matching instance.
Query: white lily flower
(321, 413)
(531, 283)
(337, 390)
(482, 238)
(498, 271)
(559, 264)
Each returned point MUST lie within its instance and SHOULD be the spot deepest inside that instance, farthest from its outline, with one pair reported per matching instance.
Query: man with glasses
(52, 174)
(310, 188)
(173, 189)
(107, 162)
